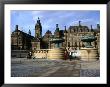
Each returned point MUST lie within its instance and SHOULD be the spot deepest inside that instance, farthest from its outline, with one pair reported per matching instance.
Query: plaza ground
(22, 67)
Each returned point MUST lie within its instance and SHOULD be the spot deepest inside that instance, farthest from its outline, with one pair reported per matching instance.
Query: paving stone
(89, 73)
(53, 68)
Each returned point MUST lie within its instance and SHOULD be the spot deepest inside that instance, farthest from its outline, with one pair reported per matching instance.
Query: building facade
(20, 40)
(37, 40)
(70, 37)
(73, 36)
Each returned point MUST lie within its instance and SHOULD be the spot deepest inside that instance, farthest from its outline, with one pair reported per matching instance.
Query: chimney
(98, 26)
(91, 29)
(79, 23)
(16, 27)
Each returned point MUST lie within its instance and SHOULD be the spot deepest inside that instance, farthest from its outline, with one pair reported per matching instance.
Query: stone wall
(49, 53)
(41, 53)
(19, 53)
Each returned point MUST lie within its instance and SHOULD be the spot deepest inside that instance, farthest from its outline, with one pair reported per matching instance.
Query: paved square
(22, 67)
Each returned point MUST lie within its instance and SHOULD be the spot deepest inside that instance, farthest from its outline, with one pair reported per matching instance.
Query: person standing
(70, 55)
(30, 55)
(65, 55)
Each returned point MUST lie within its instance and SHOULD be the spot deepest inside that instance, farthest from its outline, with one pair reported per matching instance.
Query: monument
(89, 52)
(57, 52)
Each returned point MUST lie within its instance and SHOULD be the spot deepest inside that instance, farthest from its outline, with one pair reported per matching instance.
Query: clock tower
(38, 29)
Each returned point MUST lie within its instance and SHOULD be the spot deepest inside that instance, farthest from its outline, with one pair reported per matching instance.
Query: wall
(19, 53)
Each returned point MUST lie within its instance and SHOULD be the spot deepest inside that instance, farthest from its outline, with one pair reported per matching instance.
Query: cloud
(50, 18)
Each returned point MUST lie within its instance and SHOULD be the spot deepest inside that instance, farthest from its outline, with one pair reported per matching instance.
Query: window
(68, 44)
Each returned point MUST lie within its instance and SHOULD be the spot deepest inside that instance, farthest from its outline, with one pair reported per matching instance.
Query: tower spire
(29, 32)
(65, 27)
(38, 21)
(65, 31)
(57, 28)
(91, 29)
(56, 25)
(98, 26)
(38, 18)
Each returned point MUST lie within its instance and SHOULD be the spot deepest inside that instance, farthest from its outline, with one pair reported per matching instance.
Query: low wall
(49, 53)
(86, 54)
(56, 53)
(19, 53)
(89, 54)
(41, 53)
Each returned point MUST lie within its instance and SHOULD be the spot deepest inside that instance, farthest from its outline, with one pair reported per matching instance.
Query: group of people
(69, 54)
(29, 55)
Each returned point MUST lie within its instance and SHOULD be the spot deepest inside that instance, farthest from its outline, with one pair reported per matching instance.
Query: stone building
(68, 38)
(21, 40)
(48, 35)
(56, 41)
(37, 41)
(38, 29)
(73, 36)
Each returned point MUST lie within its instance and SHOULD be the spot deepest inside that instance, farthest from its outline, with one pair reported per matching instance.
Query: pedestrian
(65, 55)
(30, 55)
(70, 56)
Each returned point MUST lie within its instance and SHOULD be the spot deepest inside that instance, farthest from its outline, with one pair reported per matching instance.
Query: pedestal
(56, 53)
(89, 54)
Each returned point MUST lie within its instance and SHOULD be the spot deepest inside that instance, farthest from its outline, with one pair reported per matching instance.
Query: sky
(26, 19)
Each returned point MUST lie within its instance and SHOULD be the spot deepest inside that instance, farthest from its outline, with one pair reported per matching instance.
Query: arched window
(68, 44)
(75, 44)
